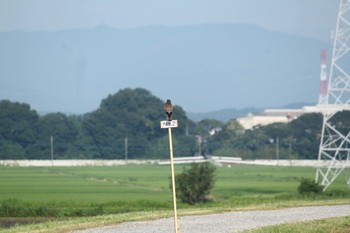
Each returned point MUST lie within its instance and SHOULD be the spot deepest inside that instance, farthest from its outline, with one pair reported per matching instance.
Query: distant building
(269, 116)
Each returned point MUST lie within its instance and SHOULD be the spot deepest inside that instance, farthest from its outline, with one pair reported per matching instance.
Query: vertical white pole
(51, 140)
(173, 179)
(200, 145)
(290, 153)
(277, 149)
(126, 149)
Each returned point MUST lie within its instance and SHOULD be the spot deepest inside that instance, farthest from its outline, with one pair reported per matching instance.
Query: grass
(72, 224)
(331, 225)
(142, 191)
(84, 184)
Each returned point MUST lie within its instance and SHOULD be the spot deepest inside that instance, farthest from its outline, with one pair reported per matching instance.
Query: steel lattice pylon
(334, 152)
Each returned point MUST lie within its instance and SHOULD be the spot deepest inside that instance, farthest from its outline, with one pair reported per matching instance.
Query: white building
(269, 116)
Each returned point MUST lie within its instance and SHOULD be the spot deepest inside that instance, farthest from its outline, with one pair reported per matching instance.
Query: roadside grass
(80, 223)
(82, 197)
(330, 225)
(72, 224)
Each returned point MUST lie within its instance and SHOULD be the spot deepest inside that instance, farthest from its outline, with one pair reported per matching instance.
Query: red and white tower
(322, 99)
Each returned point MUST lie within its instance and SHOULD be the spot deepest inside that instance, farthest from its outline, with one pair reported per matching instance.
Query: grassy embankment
(63, 194)
(331, 225)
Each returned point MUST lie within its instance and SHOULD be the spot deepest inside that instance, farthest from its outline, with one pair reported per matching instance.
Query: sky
(311, 18)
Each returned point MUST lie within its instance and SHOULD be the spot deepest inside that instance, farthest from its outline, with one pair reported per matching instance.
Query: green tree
(183, 146)
(17, 129)
(306, 130)
(194, 184)
(206, 129)
(11, 150)
(308, 186)
(131, 113)
(64, 132)
(341, 120)
(302, 134)
(205, 126)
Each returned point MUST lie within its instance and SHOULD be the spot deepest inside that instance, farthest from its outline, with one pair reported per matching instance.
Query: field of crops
(84, 184)
(83, 191)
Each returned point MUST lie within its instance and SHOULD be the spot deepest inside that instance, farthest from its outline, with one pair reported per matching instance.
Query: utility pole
(51, 142)
(277, 149)
(290, 153)
(199, 142)
(126, 148)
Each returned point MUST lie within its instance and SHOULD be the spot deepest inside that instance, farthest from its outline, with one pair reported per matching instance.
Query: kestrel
(168, 108)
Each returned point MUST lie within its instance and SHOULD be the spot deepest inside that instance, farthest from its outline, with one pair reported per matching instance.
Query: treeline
(128, 121)
(299, 139)
(130, 114)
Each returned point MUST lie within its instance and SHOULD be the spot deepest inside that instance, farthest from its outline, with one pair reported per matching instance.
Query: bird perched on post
(168, 108)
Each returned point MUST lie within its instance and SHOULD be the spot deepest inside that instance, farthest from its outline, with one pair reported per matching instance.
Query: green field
(84, 184)
(84, 191)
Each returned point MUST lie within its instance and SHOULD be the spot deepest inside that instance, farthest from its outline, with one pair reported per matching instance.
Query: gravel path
(227, 222)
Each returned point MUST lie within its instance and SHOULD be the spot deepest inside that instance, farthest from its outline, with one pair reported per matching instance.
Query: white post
(173, 179)
(51, 140)
(290, 153)
(277, 149)
(169, 125)
(126, 149)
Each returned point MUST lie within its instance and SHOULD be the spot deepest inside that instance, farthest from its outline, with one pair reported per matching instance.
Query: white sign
(168, 124)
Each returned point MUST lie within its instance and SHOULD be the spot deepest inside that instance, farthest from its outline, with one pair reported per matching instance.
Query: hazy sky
(309, 18)
(312, 18)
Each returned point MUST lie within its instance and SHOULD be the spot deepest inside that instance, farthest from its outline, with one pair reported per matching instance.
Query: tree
(17, 129)
(194, 184)
(341, 120)
(64, 132)
(302, 134)
(205, 126)
(132, 113)
(183, 146)
(11, 150)
(307, 133)
(308, 186)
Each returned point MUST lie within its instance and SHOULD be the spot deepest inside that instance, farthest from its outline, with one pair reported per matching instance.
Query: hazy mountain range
(200, 67)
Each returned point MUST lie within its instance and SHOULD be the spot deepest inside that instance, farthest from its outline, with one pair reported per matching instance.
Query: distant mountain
(200, 67)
